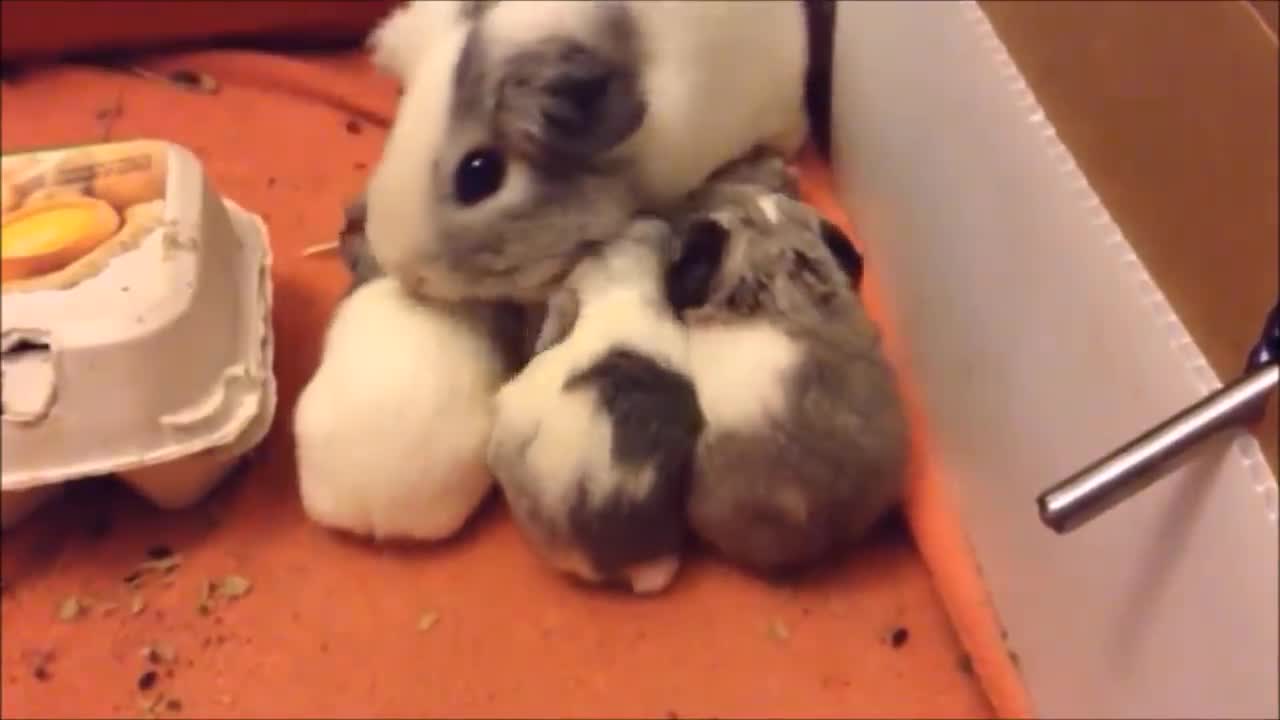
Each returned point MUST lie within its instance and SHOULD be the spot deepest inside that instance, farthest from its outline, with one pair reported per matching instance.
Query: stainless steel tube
(1135, 466)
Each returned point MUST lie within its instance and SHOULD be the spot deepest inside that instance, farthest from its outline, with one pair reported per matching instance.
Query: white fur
(402, 179)
(769, 204)
(739, 372)
(391, 430)
(567, 436)
(398, 42)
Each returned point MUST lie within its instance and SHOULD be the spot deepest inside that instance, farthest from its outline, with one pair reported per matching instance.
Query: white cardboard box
(1039, 342)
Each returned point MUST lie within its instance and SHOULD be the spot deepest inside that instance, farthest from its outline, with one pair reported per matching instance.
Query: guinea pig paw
(654, 576)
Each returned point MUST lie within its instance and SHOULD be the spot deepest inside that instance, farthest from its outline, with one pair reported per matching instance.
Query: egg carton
(135, 327)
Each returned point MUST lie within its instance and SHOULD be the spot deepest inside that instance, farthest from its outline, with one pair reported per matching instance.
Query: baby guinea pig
(805, 443)
(390, 431)
(593, 440)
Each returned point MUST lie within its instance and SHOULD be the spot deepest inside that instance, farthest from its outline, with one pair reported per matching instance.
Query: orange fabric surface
(330, 627)
(44, 28)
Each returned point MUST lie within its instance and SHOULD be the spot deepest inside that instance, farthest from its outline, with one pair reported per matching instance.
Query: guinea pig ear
(846, 255)
(689, 278)
(563, 99)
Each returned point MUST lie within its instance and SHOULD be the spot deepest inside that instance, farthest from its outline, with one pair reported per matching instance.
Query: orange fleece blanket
(332, 627)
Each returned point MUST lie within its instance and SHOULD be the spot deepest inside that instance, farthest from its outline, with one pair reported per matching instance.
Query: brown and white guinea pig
(593, 440)
(805, 443)
(531, 130)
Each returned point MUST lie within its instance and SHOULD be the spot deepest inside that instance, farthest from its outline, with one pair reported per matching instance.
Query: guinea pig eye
(478, 176)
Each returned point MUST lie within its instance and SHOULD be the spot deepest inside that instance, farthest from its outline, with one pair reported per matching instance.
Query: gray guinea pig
(593, 441)
(805, 444)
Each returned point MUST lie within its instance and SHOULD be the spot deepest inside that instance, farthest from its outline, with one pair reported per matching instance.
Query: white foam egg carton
(135, 325)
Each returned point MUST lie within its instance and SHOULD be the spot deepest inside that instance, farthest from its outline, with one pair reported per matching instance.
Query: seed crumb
(234, 586)
(158, 653)
(779, 631)
(428, 621)
(898, 637)
(194, 81)
(204, 605)
(137, 605)
(70, 608)
(147, 680)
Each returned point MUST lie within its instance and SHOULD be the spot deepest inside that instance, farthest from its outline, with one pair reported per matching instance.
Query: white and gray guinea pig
(390, 432)
(593, 440)
(532, 130)
(805, 444)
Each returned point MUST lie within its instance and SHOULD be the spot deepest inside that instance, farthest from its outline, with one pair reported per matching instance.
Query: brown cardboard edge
(1269, 12)
(1170, 109)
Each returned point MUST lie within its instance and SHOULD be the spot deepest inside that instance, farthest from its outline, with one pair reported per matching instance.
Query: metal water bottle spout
(1136, 465)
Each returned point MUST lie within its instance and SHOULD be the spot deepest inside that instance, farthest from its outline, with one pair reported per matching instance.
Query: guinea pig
(593, 440)
(539, 129)
(390, 432)
(805, 443)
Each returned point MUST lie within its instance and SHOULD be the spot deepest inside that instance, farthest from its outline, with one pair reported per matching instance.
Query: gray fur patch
(656, 421)
(792, 494)
(473, 10)
(353, 246)
(564, 101)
